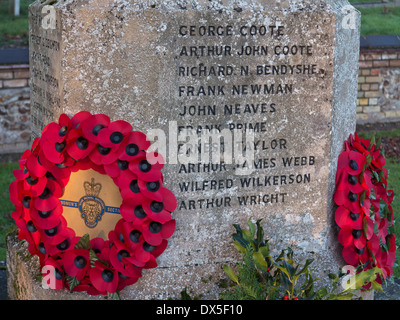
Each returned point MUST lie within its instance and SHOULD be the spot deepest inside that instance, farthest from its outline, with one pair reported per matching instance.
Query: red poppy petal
(50, 152)
(168, 229)
(34, 167)
(350, 255)
(113, 169)
(134, 143)
(92, 126)
(152, 190)
(95, 275)
(346, 236)
(78, 118)
(341, 197)
(51, 133)
(360, 243)
(169, 200)
(121, 126)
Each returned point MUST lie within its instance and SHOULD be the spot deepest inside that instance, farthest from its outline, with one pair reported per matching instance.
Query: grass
(6, 207)
(14, 30)
(379, 21)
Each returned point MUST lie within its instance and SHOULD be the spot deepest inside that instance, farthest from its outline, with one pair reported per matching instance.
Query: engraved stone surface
(277, 80)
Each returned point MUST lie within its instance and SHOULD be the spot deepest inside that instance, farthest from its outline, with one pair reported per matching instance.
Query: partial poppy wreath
(365, 214)
(83, 142)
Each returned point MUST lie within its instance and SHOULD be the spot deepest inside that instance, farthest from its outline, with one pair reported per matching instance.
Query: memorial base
(24, 280)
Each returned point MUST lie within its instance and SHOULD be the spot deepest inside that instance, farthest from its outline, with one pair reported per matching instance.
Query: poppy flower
(154, 232)
(113, 135)
(54, 151)
(354, 256)
(118, 255)
(18, 194)
(116, 168)
(79, 147)
(135, 142)
(151, 189)
(132, 209)
(128, 184)
(103, 278)
(49, 198)
(351, 161)
(64, 244)
(160, 211)
(57, 132)
(76, 263)
(29, 164)
(116, 236)
(361, 145)
(78, 118)
(101, 248)
(27, 231)
(56, 172)
(133, 235)
(144, 169)
(344, 217)
(348, 236)
(351, 182)
(103, 155)
(145, 255)
(347, 198)
(47, 219)
(53, 274)
(56, 234)
(35, 185)
(92, 125)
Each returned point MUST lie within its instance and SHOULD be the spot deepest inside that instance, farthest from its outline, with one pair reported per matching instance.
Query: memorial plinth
(271, 86)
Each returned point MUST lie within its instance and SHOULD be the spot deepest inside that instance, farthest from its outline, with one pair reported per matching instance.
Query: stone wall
(14, 108)
(378, 86)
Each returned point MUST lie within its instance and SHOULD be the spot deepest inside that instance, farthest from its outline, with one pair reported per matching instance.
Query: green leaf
(289, 268)
(260, 233)
(93, 257)
(347, 296)
(239, 247)
(72, 281)
(83, 243)
(264, 250)
(378, 143)
(247, 235)
(231, 274)
(308, 262)
(252, 228)
(115, 295)
(371, 143)
(360, 279)
(239, 239)
(260, 261)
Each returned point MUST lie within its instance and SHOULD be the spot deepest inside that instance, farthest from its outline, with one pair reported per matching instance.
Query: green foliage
(262, 277)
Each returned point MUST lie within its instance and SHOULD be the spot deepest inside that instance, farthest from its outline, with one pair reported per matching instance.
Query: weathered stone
(287, 70)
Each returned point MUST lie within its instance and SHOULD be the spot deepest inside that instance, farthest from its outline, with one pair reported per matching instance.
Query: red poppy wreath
(365, 214)
(84, 142)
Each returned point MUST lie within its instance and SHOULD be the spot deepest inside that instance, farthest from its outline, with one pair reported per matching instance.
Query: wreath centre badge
(91, 203)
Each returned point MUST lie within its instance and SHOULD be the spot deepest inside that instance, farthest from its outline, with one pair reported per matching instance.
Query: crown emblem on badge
(92, 189)
(91, 206)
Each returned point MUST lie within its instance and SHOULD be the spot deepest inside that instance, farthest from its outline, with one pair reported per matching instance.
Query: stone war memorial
(249, 102)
